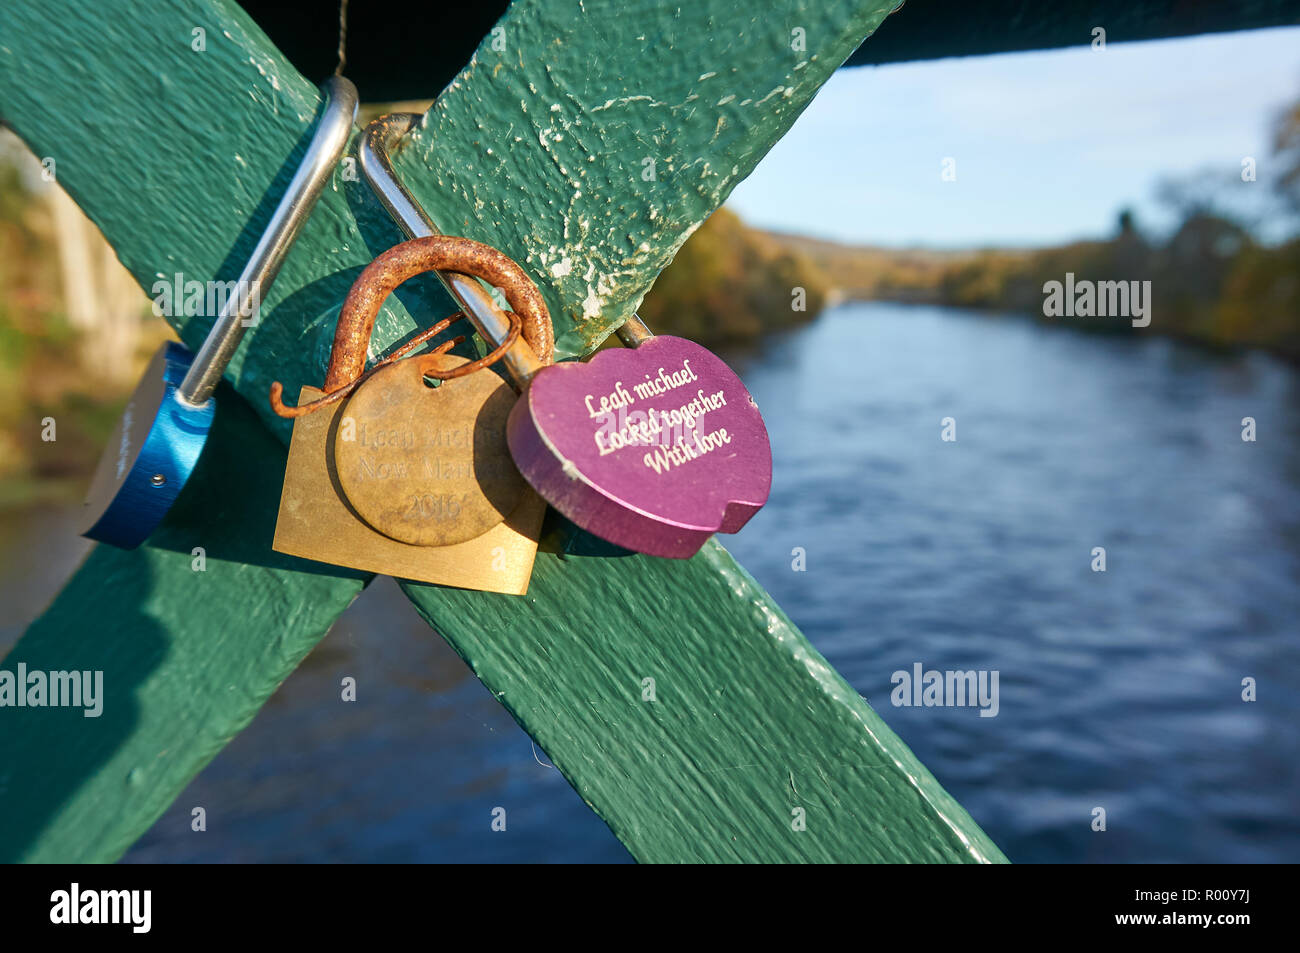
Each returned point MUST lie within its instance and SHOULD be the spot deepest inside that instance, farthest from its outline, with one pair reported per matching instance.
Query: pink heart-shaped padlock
(654, 448)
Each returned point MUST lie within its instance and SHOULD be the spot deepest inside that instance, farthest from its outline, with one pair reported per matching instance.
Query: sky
(1048, 147)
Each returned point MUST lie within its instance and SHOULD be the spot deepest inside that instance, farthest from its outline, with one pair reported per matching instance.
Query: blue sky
(1048, 146)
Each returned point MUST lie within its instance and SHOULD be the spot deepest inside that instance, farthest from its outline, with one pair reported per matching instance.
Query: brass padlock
(392, 476)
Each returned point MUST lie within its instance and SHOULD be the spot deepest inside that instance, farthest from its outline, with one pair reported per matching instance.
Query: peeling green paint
(597, 140)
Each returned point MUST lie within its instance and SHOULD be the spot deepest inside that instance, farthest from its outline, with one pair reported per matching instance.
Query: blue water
(1120, 690)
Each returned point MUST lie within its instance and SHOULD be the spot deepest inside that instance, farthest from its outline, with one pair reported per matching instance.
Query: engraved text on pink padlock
(654, 448)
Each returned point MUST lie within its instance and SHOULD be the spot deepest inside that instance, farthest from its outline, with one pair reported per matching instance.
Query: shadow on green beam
(174, 644)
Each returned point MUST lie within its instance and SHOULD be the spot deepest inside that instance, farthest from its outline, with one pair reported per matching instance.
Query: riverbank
(731, 283)
(1209, 283)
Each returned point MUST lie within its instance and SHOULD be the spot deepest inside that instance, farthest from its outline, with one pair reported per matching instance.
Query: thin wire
(343, 37)
(539, 760)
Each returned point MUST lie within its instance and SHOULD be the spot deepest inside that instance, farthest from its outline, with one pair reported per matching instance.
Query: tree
(1286, 151)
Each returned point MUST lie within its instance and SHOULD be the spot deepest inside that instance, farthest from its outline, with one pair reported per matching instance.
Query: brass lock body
(423, 465)
(390, 475)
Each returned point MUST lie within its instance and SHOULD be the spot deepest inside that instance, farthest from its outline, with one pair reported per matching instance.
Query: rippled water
(1119, 690)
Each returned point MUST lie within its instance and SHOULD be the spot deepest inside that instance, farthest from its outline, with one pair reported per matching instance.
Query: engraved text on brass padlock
(423, 465)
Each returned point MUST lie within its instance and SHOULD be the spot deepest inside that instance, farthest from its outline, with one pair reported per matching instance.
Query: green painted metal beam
(539, 147)
(190, 649)
(178, 155)
(592, 144)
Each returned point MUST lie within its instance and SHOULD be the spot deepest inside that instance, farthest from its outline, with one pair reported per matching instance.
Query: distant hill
(1209, 281)
(865, 271)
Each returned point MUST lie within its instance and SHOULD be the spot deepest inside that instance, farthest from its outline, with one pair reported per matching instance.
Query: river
(1120, 690)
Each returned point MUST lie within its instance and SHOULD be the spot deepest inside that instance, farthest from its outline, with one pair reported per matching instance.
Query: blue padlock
(161, 434)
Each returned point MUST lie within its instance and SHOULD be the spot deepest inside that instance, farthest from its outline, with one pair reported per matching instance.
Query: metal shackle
(263, 266)
(160, 436)
(375, 149)
(461, 256)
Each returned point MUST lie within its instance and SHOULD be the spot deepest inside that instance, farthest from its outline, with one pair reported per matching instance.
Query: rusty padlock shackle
(434, 253)
(379, 142)
(383, 275)
(384, 137)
